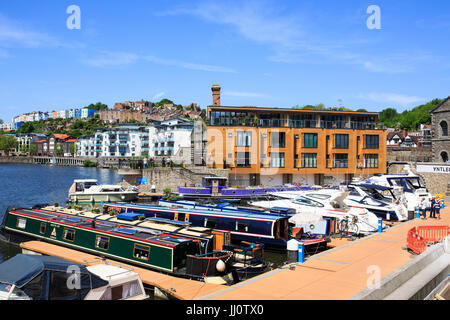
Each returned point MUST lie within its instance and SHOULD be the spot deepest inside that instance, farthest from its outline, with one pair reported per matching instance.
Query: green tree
(33, 149)
(59, 149)
(97, 106)
(8, 143)
(1, 121)
(73, 149)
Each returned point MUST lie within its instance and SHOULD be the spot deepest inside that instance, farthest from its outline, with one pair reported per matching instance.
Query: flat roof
(275, 109)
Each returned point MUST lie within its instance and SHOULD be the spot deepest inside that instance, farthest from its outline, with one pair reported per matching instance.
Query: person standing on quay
(432, 208)
(437, 207)
(423, 207)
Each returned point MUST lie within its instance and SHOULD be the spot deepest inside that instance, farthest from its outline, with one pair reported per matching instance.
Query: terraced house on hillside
(274, 146)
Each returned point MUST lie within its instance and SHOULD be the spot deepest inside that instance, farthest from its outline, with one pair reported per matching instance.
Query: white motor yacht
(327, 203)
(412, 185)
(371, 197)
(89, 191)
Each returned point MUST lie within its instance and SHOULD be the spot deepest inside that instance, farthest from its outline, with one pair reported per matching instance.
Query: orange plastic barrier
(420, 237)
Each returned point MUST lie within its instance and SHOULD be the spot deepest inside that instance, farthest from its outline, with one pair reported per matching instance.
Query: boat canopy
(22, 269)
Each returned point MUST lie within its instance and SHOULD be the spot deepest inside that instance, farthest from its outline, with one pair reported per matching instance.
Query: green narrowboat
(162, 252)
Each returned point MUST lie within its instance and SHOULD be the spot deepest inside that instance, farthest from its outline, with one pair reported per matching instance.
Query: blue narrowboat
(271, 229)
(218, 187)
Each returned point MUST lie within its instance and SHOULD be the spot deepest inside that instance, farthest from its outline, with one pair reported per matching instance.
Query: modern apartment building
(275, 146)
(121, 141)
(172, 139)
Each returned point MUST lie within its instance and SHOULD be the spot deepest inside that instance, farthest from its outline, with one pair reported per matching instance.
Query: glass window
(243, 159)
(43, 228)
(319, 196)
(341, 141)
(21, 223)
(102, 242)
(241, 226)
(372, 141)
(444, 128)
(244, 139)
(141, 252)
(308, 202)
(277, 160)
(309, 160)
(69, 234)
(341, 160)
(370, 161)
(277, 139)
(210, 223)
(310, 140)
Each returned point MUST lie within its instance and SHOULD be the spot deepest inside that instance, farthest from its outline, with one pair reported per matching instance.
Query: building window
(310, 140)
(102, 242)
(341, 141)
(370, 161)
(69, 234)
(340, 160)
(244, 139)
(277, 160)
(444, 128)
(309, 160)
(372, 141)
(278, 139)
(141, 252)
(243, 160)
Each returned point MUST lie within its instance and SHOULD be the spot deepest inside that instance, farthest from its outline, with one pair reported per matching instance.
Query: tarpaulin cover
(22, 269)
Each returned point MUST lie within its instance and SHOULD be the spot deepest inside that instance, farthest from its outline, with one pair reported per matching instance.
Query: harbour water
(27, 185)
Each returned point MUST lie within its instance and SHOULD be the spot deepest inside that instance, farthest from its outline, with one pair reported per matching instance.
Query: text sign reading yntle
(433, 169)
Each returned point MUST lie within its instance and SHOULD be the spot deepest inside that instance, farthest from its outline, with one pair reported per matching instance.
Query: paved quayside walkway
(336, 274)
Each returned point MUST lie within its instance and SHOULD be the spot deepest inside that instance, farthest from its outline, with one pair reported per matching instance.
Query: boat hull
(101, 197)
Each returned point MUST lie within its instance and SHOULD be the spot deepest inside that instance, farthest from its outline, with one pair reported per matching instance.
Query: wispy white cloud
(158, 95)
(398, 99)
(110, 59)
(244, 94)
(291, 38)
(188, 65)
(13, 34)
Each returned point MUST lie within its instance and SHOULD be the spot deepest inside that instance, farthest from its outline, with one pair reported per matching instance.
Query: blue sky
(262, 53)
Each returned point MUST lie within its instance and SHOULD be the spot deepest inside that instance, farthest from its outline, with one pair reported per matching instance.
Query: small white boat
(38, 277)
(89, 191)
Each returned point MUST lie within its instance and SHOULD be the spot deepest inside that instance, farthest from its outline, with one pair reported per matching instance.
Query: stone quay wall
(170, 178)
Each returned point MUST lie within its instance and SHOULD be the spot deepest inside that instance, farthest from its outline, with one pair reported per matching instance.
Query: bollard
(301, 252)
(380, 226)
(417, 213)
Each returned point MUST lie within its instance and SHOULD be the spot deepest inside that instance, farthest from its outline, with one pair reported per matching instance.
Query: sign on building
(433, 169)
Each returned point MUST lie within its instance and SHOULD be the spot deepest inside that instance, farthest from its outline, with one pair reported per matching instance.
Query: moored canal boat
(89, 191)
(162, 252)
(271, 229)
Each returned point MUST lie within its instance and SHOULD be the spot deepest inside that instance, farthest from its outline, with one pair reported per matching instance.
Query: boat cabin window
(308, 202)
(319, 196)
(43, 228)
(21, 223)
(181, 216)
(60, 288)
(102, 242)
(34, 287)
(242, 226)
(141, 252)
(210, 223)
(125, 291)
(69, 234)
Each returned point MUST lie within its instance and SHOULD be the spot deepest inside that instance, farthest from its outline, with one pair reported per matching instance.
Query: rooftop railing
(298, 124)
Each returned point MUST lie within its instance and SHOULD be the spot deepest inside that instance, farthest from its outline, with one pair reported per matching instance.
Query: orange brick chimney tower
(216, 95)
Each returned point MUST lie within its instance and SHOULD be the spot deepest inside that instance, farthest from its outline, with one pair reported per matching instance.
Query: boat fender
(220, 266)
